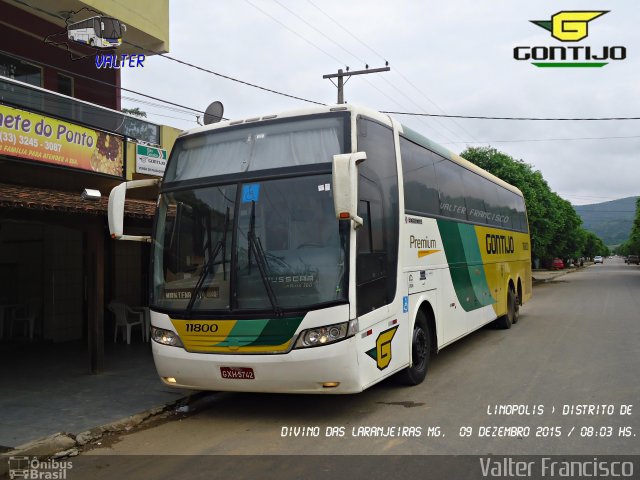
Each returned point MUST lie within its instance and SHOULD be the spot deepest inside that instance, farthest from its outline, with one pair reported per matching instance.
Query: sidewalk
(546, 276)
(46, 389)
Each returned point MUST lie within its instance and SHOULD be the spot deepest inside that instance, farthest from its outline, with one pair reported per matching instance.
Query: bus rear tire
(511, 317)
(516, 311)
(420, 352)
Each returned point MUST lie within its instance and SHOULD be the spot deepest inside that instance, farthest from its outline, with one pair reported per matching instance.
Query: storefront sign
(150, 160)
(44, 139)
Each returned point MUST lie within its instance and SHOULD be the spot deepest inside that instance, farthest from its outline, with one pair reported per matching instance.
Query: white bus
(98, 32)
(322, 251)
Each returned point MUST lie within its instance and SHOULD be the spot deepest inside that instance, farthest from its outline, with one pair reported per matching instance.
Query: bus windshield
(111, 28)
(262, 245)
(256, 147)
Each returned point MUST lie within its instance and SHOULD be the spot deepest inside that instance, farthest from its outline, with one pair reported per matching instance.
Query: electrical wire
(174, 59)
(317, 47)
(553, 139)
(417, 114)
(395, 68)
(542, 119)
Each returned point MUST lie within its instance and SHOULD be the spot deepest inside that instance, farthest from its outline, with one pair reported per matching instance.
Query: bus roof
(370, 113)
(90, 18)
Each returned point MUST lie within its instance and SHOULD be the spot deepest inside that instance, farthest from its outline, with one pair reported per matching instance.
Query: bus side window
(452, 195)
(377, 239)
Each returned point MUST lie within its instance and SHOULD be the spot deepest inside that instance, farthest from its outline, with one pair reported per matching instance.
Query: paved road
(577, 345)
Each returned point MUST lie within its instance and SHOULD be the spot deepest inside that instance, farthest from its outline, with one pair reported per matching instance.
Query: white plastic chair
(27, 314)
(123, 315)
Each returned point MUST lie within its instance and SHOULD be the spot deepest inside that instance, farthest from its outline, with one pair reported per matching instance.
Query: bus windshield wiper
(221, 246)
(255, 246)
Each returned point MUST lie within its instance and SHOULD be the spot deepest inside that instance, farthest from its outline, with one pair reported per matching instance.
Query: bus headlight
(165, 337)
(314, 337)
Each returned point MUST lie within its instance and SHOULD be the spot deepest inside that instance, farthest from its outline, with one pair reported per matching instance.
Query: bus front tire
(420, 352)
(511, 317)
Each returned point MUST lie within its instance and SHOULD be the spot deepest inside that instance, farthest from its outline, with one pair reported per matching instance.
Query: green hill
(611, 221)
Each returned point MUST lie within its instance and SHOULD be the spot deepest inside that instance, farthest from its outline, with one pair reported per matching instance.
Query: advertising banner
(150, 160)
(37, 137)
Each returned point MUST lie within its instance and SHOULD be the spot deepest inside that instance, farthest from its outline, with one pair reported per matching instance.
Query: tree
(136, 112)
(632, 245)
(554, 225)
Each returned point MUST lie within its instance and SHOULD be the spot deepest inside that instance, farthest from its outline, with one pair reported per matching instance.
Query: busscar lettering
(499, 244)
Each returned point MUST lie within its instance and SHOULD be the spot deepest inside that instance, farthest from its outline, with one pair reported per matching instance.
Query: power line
(161, 54)
(320, 32)
(552, 139)
(477, 117)
(347, 31)
(102, 82)
(331, 56)
(293, 31)
(544, 119)
(395, 67)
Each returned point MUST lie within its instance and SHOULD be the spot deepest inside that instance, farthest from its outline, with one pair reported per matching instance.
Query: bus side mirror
(124, 27)
(116, 209)
(345, 185)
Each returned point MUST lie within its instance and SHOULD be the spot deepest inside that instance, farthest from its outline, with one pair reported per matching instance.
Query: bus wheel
(516, 309)
(91, 42)
(420, 352)
(505, 321)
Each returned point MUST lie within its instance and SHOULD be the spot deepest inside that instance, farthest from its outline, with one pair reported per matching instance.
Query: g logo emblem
(382, 353)
(572, 26)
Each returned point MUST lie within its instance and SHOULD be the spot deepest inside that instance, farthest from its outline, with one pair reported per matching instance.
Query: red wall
(27, 39)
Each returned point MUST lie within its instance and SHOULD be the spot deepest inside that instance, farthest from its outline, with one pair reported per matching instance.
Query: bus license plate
(237, 373)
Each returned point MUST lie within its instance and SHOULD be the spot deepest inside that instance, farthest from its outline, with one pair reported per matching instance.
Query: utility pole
(341, 74)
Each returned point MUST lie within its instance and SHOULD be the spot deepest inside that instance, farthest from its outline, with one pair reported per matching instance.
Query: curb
(556, 275)
(63, 444)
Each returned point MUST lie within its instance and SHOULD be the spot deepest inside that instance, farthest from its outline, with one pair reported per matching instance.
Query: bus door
(383, 337)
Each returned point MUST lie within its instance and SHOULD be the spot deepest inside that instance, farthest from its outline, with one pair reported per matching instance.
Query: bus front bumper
(326, 369)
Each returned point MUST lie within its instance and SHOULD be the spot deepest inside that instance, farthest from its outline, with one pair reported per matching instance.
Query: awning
(44, 199)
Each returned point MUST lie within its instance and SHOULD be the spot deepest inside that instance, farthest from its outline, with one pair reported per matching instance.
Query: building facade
(62, 134)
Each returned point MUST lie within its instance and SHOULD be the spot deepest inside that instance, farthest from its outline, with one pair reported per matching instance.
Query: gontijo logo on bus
(382, 351)
(499, 244)
(570, 26)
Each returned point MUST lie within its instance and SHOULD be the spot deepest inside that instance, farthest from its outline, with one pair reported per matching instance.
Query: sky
(447, 57)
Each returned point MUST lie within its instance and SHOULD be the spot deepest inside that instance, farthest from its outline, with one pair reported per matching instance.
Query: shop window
(19, 70)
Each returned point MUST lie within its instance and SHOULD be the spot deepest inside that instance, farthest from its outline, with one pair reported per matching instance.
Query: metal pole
(341, 74)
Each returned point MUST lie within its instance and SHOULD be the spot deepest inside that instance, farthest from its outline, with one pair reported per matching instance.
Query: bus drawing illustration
(97, 32)
(18, 467)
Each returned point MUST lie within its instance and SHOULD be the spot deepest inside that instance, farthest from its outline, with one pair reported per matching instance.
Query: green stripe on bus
(278, 331)
(475, 265)
(244, 332)
(465, 264)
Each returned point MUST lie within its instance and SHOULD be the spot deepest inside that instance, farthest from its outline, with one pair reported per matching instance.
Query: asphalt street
(564, 380)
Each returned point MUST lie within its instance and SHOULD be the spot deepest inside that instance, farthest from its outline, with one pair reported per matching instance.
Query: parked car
(633, 259)
(558, 264)
(598, 259)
